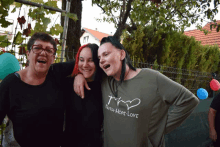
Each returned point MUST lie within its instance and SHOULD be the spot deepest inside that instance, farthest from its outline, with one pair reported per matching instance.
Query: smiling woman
(33, 98)
(84, 117)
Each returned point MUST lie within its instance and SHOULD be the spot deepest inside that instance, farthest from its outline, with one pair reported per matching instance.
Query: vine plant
(38, 15)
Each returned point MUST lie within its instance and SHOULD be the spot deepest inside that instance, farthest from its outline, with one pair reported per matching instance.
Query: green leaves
(17, 5)
(37, 1)
(71, 16)
(4, 23)
(45, 21)
(18, 38)
(56, 30)
(4, 41)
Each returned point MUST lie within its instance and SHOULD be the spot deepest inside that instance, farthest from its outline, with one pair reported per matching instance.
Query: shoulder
(62, 65)
(148, 73)
(8, 80)
(216, 101)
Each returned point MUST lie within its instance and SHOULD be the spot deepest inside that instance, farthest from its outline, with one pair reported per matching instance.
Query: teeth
(106, 66)
(41, 60)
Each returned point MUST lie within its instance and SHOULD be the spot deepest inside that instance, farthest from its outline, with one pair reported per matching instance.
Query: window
(85, 39)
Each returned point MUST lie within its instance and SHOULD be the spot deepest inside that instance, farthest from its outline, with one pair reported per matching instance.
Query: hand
(79, 83)
(213, 134)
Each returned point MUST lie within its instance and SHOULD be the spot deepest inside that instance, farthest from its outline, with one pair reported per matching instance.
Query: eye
(81, 60)
(37, 48)
(105, 54)
(49, 51)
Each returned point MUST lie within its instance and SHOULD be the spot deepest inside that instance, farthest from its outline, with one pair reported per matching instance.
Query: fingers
(76, 88)
(82, 92)
(79, 83)
(87, 86)
(213, 137)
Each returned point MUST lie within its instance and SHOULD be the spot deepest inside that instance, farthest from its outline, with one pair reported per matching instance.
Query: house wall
(90, 39)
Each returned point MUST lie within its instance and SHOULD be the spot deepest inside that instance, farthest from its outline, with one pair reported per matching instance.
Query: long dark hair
(99, 72)
(126, 60)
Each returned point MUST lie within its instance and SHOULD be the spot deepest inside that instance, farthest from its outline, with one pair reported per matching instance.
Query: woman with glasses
(33, 98)
(84, 117)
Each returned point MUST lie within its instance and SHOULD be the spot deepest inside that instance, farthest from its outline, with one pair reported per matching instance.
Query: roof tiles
(98, 35)
(209, 39)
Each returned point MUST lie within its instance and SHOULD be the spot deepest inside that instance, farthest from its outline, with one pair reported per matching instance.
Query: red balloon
(214, 84)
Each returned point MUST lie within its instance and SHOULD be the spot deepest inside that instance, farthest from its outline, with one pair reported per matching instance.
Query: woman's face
(110, 59)
(40, 62)
(86, 64)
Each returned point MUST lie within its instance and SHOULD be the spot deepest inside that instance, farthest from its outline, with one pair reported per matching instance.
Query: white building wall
(91, 39)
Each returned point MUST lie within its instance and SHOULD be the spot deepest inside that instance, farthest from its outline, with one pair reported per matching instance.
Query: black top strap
(17, 75)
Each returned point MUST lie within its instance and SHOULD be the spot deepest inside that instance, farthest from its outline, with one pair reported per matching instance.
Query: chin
(41, 70)
(87, 76)
(109, 74)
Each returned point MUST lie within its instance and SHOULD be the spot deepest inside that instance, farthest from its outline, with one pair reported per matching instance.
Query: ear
(53, 58)
(123, 54)
(28, 54)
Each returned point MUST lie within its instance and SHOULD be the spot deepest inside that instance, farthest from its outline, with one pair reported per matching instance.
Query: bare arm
(211, 119)
(79, 83)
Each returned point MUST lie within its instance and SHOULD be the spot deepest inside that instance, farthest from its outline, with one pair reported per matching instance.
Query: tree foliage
(165, 15)
(174, 54)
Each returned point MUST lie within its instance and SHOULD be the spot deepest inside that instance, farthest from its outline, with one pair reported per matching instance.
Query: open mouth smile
(106, 66)
(42, 61)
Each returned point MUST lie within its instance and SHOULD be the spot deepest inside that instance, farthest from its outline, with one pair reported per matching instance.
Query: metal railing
(191, 79)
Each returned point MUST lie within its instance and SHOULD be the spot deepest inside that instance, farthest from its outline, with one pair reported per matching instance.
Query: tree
(166, 15)
(74, 28)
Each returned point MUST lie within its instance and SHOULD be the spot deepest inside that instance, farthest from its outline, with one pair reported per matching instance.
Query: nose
(43, 52)
(101, 60)
(85, 64)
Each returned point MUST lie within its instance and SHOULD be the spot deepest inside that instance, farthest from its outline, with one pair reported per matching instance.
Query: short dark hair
(99, 72)
(118, 45)
(43, 37)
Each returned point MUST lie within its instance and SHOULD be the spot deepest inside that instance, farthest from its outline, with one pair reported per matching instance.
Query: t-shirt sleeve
(62, 69)
(175, 94)
(4, 98)
(216, 102)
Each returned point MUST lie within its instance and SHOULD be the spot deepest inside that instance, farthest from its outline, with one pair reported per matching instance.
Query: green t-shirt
(138, 116)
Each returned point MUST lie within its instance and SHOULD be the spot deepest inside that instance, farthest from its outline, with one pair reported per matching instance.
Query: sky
(90, 13)
(89, 16)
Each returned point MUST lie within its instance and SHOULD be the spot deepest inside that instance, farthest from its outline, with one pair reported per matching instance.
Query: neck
(89, 80)
(127, 70)
(35, 75)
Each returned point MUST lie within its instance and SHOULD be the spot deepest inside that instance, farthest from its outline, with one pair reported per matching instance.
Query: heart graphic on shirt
(130, 103)
(135, 102)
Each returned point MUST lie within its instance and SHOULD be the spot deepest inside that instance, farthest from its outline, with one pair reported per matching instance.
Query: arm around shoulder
(63, 69)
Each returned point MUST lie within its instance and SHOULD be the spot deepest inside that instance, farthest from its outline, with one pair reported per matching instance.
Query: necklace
(115, 91)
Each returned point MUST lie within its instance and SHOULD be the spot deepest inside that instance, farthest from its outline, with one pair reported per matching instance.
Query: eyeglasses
(37, 49)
